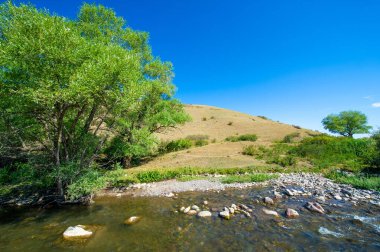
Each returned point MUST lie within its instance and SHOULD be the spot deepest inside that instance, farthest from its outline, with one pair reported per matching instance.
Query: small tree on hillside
(347, 123)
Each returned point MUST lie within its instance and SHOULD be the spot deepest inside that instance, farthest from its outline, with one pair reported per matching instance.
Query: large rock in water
(270, 212)
(77, 232)
(291, 213)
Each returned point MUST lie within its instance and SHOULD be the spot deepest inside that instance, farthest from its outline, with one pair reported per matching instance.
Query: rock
(234, 206)
(321, 199)
(195, 207)
(337, 197)
(315, 207)
(182, 209)
(225, 215)
(204, 214)
(270, 212)
(132, 220)
(289, 192)
(268, 200)
(291, 213)
(169, 195)
(205, 202)
(187, 209)
(77, 232)
(231, 210)
(191, 212)
(245, 213)
(277, 195)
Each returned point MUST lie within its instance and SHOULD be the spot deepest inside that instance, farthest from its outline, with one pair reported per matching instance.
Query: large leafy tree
(347, 123)
(70, 88)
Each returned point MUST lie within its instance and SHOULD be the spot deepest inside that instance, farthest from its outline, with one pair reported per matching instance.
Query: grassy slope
(214, 122)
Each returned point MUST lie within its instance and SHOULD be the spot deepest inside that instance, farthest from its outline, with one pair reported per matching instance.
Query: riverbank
(295, 184)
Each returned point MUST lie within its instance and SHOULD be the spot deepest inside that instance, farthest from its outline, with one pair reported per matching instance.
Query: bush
(257, 177)
(290, 137)
(250, 150)
(263, 117)
(153, 176)
(247, 137)
(229, 123)
(204, 119)
(197, 137)
(175, 145)
(363, 181)
(326, 151)
(199, 143)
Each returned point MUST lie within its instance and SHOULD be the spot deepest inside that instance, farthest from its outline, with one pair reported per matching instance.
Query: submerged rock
(186, 210)
(291, 213)
(77, 232)
(132, 220)
(204, 214)
(315, 207)
(270, 212)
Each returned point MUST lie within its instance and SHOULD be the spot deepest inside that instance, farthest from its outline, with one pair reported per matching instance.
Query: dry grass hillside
(217, 124)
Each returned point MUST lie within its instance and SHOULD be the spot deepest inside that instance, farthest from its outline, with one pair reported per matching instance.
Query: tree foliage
(69, 89)
(347, 123)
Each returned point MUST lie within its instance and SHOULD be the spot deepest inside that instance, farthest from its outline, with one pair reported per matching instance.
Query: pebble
(187, 209)
(270, 212)
(337, 197)
(132, 220)
(268, 200)
(195, 207)
(204, 214)
(192, 212)
(315, 207)
(225, 215)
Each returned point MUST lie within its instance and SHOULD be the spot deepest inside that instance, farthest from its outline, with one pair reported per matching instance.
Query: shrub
(229, 123)
(197, 137)
(247, 137)
(326, 151)
(290, 137)
(263, 117)
(175, 145)
(296, 126)
(257, 177)
(153, 176)
(370, 182)
(199, 143)
(204, 119)
(250, 150)
(212, 117)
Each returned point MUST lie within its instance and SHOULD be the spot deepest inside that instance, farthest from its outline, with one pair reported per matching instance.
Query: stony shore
(297, 184)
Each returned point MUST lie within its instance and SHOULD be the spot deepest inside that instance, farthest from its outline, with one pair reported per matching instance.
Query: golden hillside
(218, 123)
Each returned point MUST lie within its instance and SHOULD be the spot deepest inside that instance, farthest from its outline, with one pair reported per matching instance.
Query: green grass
(247, 137)
(362, 181)
(258, 177)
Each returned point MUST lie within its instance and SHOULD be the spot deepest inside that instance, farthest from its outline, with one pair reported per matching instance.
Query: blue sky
(294, 61)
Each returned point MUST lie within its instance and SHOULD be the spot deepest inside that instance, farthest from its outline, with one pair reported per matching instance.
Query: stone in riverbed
(195, 207)
(132, 220)
(270, 212)
(225, 215)
(337, 197)
(205, 202)
(268, 200)
(204, 214)
(187, 209)
(277, 195)
(182, 209)
(321, 199)
(291, 213)
(191, 212)
(315, 207)
(77, 232)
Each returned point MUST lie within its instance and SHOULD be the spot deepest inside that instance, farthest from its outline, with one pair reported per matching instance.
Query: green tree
(347, 123)
(70, 88)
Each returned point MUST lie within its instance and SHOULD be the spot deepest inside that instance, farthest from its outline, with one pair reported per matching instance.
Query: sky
(293, 61)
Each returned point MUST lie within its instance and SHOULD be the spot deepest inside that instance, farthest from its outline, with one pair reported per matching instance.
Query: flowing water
(344, 228)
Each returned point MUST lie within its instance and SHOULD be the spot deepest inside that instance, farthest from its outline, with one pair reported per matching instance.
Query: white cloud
(376, 105)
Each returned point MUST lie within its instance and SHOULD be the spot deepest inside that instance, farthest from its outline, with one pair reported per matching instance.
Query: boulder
(291, 213)
(270, 212)
(77, 232)
(204, 214)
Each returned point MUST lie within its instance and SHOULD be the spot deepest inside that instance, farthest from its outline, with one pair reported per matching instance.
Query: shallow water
(343, 228)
